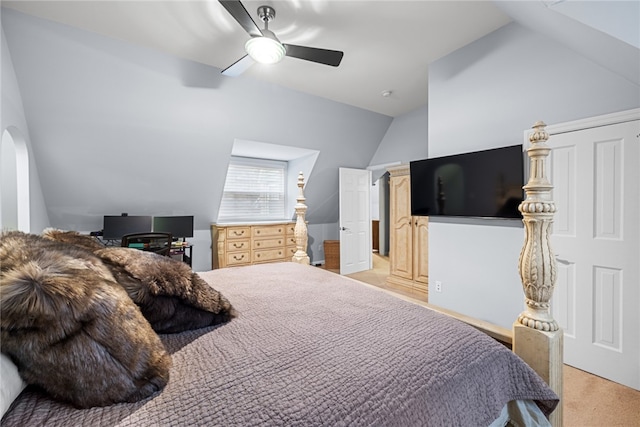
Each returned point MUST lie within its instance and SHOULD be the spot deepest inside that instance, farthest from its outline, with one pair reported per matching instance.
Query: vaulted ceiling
(387, 45)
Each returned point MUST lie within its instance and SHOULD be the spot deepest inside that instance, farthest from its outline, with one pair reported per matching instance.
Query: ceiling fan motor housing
(266, 13)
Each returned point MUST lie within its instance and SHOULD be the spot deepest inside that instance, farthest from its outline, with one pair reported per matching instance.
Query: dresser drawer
(268, 243)
(266, 255)
(238, 245)
(238, 258)
(268, 231)
(238, 232)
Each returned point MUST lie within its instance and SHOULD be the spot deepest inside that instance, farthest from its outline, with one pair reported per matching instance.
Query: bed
(308, 347)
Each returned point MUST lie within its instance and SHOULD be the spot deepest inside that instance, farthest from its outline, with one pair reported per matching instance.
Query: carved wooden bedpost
(300, 231)
(537, 339)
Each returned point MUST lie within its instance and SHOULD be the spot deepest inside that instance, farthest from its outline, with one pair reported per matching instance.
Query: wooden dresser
(235, 244)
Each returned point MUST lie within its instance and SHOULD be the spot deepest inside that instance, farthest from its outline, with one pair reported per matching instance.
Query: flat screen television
(484, 183)
(114, 227)
(178, 226)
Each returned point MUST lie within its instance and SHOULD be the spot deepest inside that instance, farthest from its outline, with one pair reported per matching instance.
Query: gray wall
(406, 139)
(120, 128)
(484, 96)
(12, 115)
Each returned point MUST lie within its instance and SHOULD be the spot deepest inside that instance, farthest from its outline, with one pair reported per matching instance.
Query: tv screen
(114, 227)
(479, 184)
(178, 226)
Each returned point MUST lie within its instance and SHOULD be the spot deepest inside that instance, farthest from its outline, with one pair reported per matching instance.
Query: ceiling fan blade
(240, 14)
(238, 67)
(322, 56)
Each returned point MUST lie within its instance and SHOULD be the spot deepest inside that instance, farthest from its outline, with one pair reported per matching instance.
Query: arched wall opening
(14, 188)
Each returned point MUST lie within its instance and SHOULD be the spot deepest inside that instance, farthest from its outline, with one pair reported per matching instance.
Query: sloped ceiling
(396, 39)
(387, 44)
(606, 32)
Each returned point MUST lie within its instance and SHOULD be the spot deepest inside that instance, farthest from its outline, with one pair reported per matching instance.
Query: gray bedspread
(311, 348)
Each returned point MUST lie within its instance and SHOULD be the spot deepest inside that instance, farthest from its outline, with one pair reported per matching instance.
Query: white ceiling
(387, 45)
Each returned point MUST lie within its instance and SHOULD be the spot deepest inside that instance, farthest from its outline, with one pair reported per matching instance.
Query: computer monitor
(114, 227)
(178, 226)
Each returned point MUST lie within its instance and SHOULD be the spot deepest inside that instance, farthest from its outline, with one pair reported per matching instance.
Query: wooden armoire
(408, 238)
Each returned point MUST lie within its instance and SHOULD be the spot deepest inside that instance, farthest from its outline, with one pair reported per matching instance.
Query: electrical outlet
(438, 286)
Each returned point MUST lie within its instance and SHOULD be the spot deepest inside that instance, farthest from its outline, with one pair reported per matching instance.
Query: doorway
(14, 187)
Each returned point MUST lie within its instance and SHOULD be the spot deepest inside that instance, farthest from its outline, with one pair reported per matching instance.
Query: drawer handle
(257, 231)
(257, 255)
(279, 242)
(238, 233)
(238, 245)
(257, 243)
(279, 230)
(235, 257)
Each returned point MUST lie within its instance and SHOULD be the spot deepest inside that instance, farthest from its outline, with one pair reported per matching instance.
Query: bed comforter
(312, 348)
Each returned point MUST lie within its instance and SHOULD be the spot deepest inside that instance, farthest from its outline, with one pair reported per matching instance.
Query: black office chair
(159, 243)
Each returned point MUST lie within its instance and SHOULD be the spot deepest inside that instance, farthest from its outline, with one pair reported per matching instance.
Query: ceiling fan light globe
(265, 50)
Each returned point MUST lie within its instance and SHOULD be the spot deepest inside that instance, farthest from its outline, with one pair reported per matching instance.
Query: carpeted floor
(593, 401)
(589, 401)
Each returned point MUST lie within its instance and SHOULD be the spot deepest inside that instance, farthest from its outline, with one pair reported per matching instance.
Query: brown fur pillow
(71, 329)
(171, 296)
(89, 243)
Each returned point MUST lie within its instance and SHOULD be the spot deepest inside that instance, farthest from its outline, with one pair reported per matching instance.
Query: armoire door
(401, 230)
(421, 250)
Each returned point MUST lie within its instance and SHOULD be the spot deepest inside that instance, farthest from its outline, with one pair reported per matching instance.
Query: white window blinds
(254, 190)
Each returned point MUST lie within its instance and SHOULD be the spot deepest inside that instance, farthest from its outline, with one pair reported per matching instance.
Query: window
(254, 190)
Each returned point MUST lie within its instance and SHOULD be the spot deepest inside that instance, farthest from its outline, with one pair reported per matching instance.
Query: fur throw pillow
(171, 296)
(89, 243)
(71, 329)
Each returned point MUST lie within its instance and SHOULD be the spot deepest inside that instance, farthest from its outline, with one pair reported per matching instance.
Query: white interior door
(355, 220)
(596, 234)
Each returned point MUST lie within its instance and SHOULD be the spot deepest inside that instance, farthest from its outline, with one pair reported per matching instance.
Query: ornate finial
(540, 134)
(300, 197)
(537, 263)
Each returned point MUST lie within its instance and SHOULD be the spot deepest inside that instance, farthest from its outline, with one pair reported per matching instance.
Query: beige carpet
(593, 401)
(589, 401)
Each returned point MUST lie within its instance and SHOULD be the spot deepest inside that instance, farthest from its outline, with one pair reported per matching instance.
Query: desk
(182, 252)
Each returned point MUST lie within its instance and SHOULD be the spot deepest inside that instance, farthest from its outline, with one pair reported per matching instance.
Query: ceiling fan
(264, 46)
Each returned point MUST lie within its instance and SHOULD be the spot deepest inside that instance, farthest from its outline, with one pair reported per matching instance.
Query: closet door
(596, 235)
